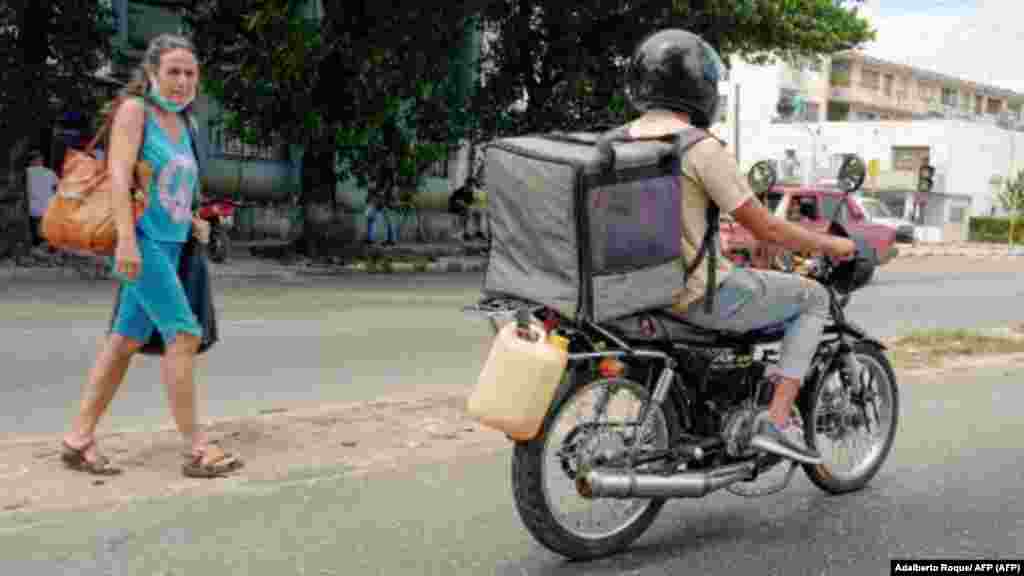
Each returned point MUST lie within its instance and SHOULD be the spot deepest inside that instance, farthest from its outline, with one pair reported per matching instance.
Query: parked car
(879, 213)
(814, 208)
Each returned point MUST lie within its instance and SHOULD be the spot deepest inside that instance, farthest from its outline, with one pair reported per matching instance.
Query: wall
(966, 155)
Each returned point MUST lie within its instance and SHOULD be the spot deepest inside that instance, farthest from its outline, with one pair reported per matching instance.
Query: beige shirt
(709, 174)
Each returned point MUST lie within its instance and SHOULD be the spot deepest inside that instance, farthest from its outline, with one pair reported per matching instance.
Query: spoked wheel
(852, 424)
(596, 425)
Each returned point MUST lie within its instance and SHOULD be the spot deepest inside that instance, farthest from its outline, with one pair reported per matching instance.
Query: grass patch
(932, 347)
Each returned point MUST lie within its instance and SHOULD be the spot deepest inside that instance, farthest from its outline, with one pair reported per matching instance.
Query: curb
(450, 266)
(961, 253)
(279, 272)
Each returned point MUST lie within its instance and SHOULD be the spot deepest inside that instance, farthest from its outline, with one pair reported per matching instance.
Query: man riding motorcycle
(673, 80)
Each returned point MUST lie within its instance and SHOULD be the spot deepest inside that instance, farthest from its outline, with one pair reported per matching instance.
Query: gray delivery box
(586, 223)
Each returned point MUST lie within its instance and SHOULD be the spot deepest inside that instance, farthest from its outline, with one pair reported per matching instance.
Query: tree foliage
(567, 59)
(1011, 198)
(49, 54)
(369, 80)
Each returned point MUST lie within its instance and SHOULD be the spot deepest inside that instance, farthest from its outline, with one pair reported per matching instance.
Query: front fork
(853, 373)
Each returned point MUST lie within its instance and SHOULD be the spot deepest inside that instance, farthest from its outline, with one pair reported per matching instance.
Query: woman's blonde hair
(158, 46)
(138, 86)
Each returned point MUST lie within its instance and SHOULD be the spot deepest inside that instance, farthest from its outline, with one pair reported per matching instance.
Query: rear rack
(501, 310)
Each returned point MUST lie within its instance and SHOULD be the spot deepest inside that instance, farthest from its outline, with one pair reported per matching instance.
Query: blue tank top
(168, 217)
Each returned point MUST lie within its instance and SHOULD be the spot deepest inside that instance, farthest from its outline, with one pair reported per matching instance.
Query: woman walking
(150, 124)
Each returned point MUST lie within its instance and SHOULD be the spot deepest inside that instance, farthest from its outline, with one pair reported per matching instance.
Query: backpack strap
(683, 141)
(709, 244)
(193, 137)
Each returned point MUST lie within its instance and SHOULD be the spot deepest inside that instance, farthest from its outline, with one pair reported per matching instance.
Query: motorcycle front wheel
(852, 424)
(586, 426)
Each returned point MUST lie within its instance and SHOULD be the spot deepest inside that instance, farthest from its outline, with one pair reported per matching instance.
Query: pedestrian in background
(42, 185)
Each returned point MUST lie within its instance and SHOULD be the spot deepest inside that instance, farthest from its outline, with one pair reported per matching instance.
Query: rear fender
(578, 369)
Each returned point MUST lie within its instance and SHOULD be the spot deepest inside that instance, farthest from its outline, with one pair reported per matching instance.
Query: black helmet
(676, 70)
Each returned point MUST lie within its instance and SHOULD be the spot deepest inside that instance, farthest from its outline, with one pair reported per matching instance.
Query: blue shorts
(155, 299)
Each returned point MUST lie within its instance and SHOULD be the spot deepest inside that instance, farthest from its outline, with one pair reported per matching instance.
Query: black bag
(194, 273)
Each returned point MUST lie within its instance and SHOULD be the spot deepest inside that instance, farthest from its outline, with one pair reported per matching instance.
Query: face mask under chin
(164, 103)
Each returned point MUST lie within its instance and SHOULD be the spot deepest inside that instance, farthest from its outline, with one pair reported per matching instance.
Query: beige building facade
(865, 88)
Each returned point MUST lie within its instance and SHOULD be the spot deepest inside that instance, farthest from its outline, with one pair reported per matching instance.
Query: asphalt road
(355, 337)
(952, 488)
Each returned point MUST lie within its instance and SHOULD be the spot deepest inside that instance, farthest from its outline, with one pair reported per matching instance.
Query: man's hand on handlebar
(839, 248)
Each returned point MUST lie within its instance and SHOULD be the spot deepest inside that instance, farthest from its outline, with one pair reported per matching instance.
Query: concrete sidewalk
(403, 258)
(972, 250)
(414, 258)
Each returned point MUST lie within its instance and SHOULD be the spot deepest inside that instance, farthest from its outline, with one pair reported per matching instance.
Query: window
(888, 84)
(809, 206)
(869, 79)
(875, 209)
(829, 205)
(924, 92)
(224, 144)
(840, 75)
(950, 96)
(909, 157)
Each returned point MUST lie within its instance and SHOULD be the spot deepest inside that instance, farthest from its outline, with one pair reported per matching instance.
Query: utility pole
(736, 123)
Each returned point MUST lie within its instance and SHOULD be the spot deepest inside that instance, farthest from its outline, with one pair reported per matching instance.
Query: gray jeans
(751, 299)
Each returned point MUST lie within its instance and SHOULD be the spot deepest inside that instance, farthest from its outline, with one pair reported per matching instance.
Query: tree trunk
(319, 184)
(24, 117)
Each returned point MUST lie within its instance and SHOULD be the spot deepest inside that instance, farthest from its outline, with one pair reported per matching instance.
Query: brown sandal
(225, 463)
(75, 459)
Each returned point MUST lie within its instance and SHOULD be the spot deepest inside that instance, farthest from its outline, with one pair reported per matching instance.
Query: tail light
(550, 320)
(611, 368)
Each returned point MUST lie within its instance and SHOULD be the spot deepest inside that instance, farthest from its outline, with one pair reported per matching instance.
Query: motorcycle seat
(663, 326)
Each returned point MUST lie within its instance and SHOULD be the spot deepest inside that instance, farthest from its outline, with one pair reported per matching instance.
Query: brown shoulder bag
(80, 216)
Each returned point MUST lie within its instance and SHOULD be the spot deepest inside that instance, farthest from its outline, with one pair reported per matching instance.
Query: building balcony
(897, 101)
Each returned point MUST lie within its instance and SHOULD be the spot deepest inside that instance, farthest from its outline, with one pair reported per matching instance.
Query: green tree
(567, 59)
(367, 83)
(50, 52)
(1011, 197)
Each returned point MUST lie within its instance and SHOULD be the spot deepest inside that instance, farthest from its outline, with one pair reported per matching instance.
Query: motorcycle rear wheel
(835, 415)
(537, 461)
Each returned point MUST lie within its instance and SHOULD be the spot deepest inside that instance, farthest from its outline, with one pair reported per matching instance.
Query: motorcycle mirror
(851, 173)
(761, 177)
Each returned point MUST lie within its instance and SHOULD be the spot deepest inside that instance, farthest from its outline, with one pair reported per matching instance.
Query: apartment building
(862, 87)
(895, 117)
(853, 86)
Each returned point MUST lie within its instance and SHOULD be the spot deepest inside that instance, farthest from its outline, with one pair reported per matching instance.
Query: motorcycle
(651, 408)
(220, 213)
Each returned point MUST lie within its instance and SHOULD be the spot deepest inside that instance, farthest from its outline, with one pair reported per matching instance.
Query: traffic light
(925, 178)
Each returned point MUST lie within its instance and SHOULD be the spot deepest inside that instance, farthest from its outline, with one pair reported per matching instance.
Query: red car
(814, 208)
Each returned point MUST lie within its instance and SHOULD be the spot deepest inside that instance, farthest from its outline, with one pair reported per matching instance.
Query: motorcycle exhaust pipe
(604, 483)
